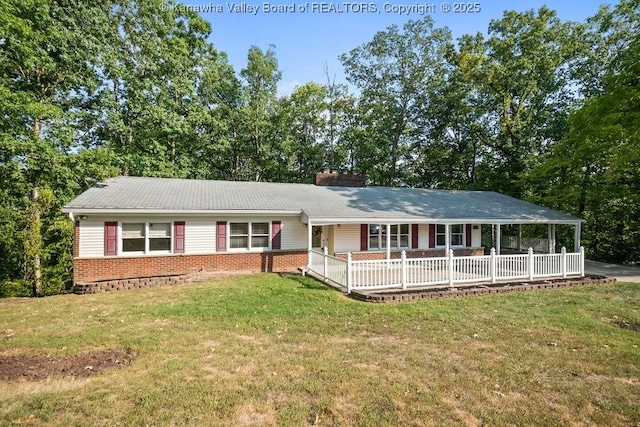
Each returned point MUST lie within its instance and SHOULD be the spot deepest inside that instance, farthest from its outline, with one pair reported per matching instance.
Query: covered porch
(388, 254)
(407, 273)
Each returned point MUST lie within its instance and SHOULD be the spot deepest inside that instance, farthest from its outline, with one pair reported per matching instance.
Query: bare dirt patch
(36, 367)
(627, 325)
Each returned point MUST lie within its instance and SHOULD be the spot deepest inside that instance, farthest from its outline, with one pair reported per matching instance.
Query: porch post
(551, 238)
(325, 267)
(519, 237)
(576, 239)
(349, 269)
(450, 266)
(388, 241)
(498, 238)
(493, 265)
(403, 258)
(447, 238)
(309, 243)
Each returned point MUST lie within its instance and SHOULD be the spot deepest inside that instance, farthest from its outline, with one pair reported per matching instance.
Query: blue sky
(306, 41)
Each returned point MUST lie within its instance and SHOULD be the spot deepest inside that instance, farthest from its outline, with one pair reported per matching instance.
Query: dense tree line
(537, 107)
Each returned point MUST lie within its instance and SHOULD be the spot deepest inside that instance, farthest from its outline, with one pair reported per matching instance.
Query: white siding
(293, 234)
(91, 238)
(199, 236)
(347, 238)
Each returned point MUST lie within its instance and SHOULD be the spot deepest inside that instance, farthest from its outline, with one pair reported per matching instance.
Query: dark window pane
(373, 242)
(440, 241)
(259, 241)
(260, 228)
(404, 229)
(132, 245)
(404, 241)
(159, 244)
(236, 242)
(239, 229)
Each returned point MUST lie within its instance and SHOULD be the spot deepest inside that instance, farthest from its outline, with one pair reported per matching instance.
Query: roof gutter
(143, 211)
(501, 221)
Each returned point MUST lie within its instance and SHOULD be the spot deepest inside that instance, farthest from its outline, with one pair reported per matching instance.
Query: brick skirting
(86, 270)
(412, 253)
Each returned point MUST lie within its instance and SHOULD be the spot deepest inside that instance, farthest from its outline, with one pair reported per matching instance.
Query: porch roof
(316, 204)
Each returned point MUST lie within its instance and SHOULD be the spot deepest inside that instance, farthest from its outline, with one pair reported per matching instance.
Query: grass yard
(269, 350)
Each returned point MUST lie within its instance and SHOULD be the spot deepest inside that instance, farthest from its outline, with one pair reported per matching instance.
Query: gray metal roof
(315, 202)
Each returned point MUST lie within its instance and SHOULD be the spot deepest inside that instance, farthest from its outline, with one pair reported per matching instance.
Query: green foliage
(398, 73)
(594, 170)
(539, 108)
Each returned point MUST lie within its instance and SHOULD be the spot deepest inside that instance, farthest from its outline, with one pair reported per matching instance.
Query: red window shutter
(432, 235)
(221, 236)
(364, 237)
(178, 237)
(414, 236)
(110, 238)
(276, 236)
(468, 232)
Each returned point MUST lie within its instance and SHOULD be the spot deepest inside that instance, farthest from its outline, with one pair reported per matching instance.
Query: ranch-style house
(337, 228)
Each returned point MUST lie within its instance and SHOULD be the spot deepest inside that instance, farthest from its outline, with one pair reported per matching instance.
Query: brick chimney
(338, 179)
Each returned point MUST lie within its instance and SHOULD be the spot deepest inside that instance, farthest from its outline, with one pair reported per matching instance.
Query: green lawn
(269, 350)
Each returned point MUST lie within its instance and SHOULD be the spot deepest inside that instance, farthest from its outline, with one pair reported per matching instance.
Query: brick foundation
(116, 268)
(413, 253)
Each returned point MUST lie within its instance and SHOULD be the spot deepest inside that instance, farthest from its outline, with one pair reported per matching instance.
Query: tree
(147, 108)
(522, 75)
(259, 91)
(397, 73)
(44, 79)
(594, 171)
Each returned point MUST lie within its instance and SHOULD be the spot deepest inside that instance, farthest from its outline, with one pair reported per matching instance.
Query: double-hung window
(457, 235)
(146, 237)
(249, 235)
(399, 236)
(133, 237)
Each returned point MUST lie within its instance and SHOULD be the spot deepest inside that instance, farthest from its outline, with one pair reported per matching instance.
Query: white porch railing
(329, 267)
(514, 242)
(423, 272)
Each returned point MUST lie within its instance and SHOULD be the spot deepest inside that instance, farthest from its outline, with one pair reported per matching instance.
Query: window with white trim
(133, 237)
(249, 235)
(457, 235)
(399, 236)
(146, 237)
(159, 237)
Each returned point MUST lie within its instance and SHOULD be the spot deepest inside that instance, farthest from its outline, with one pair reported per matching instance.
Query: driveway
(622, 273)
